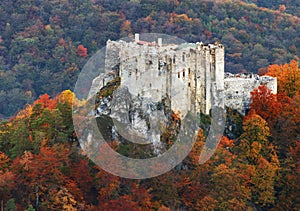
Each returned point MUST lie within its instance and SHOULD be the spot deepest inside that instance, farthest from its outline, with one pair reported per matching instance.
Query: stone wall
(239, 86)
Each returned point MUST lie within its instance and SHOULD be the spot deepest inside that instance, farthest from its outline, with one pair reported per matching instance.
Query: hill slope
(39, 39)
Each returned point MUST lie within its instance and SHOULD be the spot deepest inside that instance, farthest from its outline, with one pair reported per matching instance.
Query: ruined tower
(191, 74)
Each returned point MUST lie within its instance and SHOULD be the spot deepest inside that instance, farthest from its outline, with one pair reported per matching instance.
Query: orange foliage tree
(288, 77)
(7, 178)
(46, 102)
(82, 51)
(281, 112)
(126, 28)
(256, 151)
(265, 103)
(40, 172)
(255, 138)
(228, 189)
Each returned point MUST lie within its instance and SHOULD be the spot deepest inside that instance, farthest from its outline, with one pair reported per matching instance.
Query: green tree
(10, 205)
(30, 208)
(20, 139)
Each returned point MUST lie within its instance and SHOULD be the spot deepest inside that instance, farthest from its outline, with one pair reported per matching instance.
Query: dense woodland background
(44, 45)
(39, 40)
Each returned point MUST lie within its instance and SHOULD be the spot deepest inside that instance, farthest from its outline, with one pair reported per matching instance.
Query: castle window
(129, 73)
(183, 57)
(189, 84)
(178, 74)
(189, 71)
(174, 59)
(183, 73)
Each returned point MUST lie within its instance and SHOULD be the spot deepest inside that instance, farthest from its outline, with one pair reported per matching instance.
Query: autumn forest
(45, 44)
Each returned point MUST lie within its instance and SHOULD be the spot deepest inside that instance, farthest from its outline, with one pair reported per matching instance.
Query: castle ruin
(190, 75)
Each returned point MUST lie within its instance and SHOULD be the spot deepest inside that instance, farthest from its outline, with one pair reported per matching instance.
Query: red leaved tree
(82, 51)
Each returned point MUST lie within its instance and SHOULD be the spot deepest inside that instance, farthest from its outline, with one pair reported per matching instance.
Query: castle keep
(190, 75)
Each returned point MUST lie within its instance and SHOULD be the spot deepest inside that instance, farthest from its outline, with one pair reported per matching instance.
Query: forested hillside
(289, 6)
(44, 44)
(43, 168)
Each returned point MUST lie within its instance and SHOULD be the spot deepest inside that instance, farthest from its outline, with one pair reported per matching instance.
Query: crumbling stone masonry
(238, 88)
(190, 75)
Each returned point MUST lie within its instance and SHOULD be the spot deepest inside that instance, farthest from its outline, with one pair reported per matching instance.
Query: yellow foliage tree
(66, 96)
